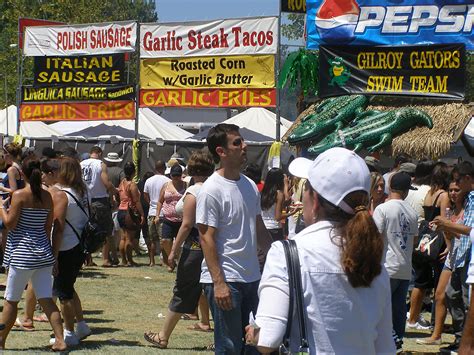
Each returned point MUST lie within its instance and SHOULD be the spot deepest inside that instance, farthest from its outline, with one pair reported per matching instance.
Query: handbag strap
(79, 204)
(289, 266)
(296, 293)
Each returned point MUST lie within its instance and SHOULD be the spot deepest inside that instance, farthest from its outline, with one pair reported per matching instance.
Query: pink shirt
(169, 205)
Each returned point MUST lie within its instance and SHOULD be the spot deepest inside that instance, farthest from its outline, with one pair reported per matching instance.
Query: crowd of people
(374, 250)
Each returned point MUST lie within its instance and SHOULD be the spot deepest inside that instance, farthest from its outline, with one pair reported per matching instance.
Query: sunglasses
(237, 142)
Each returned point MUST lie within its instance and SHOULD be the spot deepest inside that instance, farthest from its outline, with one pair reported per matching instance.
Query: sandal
(151, 338)
(199, 328)
(26, 328)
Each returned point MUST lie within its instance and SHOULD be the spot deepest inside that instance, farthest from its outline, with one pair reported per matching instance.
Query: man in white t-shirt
(101, 192)
(230, 227)
(396, 220)
(151, 192)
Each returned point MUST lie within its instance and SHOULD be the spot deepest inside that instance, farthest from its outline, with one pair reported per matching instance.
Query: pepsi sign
(389, 22)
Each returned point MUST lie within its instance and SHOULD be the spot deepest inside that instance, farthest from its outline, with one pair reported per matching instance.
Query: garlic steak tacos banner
(80, 111)
(101, 38)
(208, 72)
(77, 93)
(80, 70)
(210, 38)
(431, 71)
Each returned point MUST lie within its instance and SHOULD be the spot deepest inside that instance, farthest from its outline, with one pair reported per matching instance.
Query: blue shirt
(465, 241)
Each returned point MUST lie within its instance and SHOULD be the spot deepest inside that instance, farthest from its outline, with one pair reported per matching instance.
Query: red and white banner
(208, 98)
(89, 39)
(107, 110)
(211, 38)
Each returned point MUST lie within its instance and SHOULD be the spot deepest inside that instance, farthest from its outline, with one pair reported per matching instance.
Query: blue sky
(191, 10)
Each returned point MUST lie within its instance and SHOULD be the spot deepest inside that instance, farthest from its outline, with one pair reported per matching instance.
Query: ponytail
(362, 249)
(361, 244)
(31, 168)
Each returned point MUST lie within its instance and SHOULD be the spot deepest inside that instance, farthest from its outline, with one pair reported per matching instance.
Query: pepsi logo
(336, 20)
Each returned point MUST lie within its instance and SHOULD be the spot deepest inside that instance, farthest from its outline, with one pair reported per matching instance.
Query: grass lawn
(121, 303)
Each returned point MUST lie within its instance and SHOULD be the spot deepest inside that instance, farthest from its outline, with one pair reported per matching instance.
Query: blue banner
(389, 22)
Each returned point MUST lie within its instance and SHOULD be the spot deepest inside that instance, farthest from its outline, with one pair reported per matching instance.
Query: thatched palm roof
(449, 121)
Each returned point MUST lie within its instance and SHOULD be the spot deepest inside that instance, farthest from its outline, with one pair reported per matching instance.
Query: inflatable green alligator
(332, 114)
(373, 130)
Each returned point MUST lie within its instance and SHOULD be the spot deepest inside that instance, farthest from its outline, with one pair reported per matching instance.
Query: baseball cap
(401, 182)
(334, 174)
(408, 168)
(176, 170)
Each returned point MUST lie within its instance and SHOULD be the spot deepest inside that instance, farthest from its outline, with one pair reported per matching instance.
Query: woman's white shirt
(341, 319)
(75, 216)
(268, 217)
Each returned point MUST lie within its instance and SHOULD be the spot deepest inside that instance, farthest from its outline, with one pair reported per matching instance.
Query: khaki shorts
(154, 230)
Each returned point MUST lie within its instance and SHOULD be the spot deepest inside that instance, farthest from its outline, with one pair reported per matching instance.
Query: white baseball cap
(334, 174)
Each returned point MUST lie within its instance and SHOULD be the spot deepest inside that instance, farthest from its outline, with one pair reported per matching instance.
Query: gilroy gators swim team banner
(432, 71)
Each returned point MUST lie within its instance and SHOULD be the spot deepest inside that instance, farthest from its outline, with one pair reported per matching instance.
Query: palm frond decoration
(301, 66)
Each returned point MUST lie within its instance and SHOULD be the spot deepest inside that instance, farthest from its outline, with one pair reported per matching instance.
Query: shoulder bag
(296, 300)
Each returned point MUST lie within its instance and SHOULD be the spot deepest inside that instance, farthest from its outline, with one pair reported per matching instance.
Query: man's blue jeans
(399, 290)
(229, 326)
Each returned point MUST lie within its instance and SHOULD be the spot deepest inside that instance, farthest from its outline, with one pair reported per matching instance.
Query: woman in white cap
(345, 287)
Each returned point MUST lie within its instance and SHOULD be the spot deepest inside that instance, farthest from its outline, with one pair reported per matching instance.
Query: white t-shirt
(386, 178)
(341, 319)
(231, 207)
(153, 188)
(396, 220)
(91, 171)
(416, 199)
(192, 190)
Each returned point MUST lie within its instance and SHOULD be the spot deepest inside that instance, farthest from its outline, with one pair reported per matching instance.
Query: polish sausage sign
(105, 38)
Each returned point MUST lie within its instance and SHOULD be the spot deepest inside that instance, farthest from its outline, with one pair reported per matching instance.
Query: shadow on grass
(99, 320)
(104, 330)
(92, 274)
(97, 344)
(93, 311)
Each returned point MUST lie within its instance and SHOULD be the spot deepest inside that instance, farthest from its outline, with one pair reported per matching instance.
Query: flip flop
(196, 327)
(26, 328)
(150, 337)
(187, 317)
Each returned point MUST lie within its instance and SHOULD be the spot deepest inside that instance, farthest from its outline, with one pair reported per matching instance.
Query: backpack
(93, 234)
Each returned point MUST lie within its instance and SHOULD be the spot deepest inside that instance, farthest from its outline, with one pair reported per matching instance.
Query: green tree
(68, 11)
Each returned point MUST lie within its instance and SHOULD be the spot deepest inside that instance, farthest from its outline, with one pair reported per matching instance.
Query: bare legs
(416, 302)
(441, 311)
(166, 245)
(126, 247)
(71, 310)
(10, 310)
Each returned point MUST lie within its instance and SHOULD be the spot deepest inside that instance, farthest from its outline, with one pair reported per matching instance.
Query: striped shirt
(28, 246)
(464, 240)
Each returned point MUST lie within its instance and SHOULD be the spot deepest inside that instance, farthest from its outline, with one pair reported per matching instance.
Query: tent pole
(137, 93)
(277, 75)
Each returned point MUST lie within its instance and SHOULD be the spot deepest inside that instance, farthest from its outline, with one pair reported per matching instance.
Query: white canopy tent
(150, 125)
(30, 129)
(260, 120)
